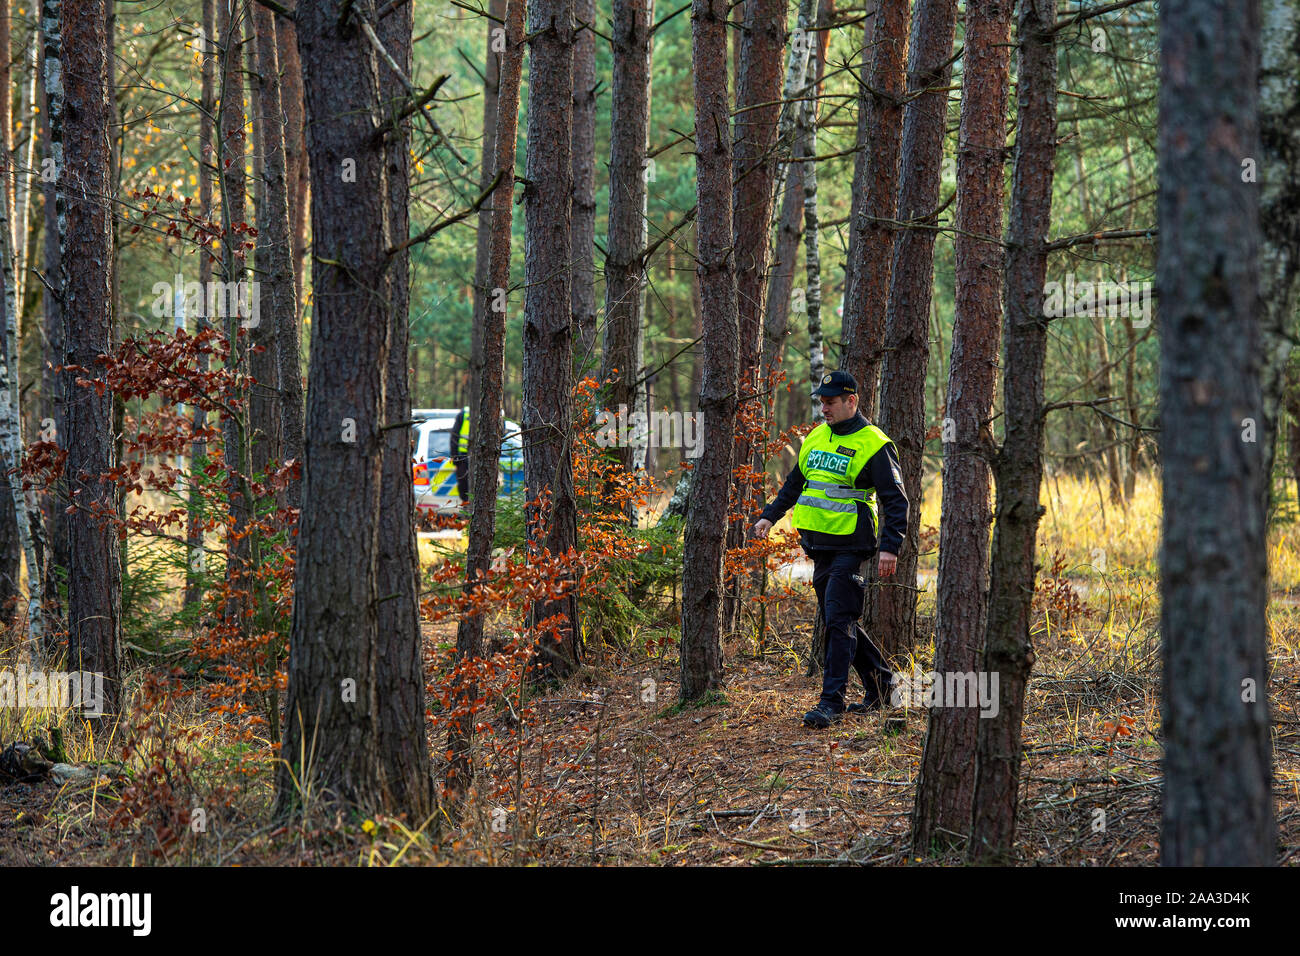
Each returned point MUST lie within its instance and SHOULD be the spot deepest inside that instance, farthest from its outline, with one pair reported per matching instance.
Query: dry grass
(610, 773)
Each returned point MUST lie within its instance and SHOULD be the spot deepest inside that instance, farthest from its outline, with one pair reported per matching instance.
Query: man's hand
(887, 564)
(762, 527)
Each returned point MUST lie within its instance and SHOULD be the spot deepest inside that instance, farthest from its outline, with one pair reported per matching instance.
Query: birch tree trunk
(52, 382)
(11, 436)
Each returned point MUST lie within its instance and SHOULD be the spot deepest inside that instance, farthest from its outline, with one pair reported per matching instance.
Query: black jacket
(883, 474)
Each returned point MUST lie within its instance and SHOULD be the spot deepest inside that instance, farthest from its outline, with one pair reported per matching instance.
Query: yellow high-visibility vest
(830, 464)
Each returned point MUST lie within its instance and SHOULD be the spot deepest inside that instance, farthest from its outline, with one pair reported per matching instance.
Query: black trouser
(841, 599)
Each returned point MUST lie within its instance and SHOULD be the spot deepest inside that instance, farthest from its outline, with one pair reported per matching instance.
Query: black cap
(837, 383)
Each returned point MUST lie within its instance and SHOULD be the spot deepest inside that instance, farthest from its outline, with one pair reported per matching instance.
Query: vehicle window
(439, 445)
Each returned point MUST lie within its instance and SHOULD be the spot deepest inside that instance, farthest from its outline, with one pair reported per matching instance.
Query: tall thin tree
(402, 744)
(753, 158)
(911, 282)
(1218, 800)
(1018, 467)
(947, 781)
(77, 78)
(548, 335)
(582, 232)
(706, 517)
(866, 298)
(485, 450)
(622, 351)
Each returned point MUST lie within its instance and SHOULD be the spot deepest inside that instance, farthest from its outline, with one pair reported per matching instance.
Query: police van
(433, 467)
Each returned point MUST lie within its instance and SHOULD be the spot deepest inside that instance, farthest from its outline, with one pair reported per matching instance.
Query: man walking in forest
(843, 464)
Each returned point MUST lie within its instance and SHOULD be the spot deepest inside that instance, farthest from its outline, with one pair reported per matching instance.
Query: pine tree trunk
(486, 443)
(483, 229)
(1009, 651)
(1218, 801)
(297, 169)
(806, 150)
(263, 358)
(758, 108)
(706, 518)
(1279, 217)
(582, 232)
(281, 318)
(402, 745)
(80, 93)
(907, 320)
(342, 738)
(230, 166)
(622, 352)
(548, 340)
(866, 298)
(197, 561)
(947, 780)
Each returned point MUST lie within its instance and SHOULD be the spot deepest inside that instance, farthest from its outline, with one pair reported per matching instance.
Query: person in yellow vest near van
(460, 452)
(844, 464)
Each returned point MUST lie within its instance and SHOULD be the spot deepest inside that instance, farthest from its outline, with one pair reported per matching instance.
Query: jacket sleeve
(785, 498)
(884, 474)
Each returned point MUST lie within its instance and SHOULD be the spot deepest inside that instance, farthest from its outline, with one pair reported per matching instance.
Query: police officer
(844, 463)
(460, 452)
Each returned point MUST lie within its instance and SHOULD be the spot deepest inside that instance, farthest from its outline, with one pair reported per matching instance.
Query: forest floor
(608, 769)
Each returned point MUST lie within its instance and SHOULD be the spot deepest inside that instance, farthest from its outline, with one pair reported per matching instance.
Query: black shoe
(821, 717)
(867, 706)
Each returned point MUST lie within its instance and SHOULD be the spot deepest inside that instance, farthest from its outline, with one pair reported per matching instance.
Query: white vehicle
(434, 471)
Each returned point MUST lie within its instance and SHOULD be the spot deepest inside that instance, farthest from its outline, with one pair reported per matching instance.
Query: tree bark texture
(866, 297)
(1218, 802)
(80, 81)
(1018, 467)
(907, 318)
(947, 781)
(548, 338)
(706, 517)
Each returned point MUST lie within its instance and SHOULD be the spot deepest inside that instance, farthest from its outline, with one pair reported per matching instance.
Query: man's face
(839, 409)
